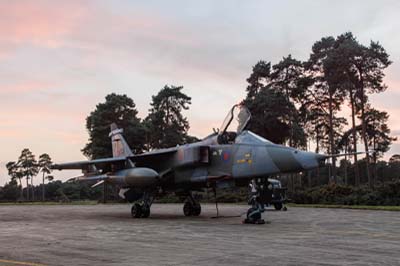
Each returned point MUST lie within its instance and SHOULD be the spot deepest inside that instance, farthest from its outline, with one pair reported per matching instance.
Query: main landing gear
(141, 209)
(191, 207)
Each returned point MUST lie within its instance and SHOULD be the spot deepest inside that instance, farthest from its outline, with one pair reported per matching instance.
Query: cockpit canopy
(234, 124)
(236, 120)
(233, 129)
(248, 137)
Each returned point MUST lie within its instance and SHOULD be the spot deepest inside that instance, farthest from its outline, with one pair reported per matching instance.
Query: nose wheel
(257, 207)
(136, 210)
(142, 209)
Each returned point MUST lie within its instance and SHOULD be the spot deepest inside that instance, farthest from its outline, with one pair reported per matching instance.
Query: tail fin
(119, 146)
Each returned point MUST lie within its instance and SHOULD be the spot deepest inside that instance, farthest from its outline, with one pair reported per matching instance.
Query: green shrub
(387, 194)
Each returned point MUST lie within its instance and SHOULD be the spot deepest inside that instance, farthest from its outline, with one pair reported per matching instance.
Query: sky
(58, 59)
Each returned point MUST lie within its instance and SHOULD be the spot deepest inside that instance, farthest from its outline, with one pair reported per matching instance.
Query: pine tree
(324, 91)
(166, 125)
(44, 167)
(119, 109)
(15, 173)
(28, 167)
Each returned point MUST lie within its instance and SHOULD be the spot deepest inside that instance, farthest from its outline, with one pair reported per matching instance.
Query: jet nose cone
(321, 159)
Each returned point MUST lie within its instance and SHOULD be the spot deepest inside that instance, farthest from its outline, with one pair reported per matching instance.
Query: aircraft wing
(98, 163)
(154, 153)
(106, 162)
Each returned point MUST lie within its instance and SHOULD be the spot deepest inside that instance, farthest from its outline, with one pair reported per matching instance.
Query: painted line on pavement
(14, 262)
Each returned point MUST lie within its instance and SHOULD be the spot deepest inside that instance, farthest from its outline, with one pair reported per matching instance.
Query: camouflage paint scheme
(223, 159)
(250, 156)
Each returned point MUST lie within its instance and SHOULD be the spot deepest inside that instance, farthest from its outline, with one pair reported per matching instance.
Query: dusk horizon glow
(60, 59)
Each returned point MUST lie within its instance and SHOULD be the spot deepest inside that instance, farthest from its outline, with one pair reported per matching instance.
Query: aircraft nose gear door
(258, 193)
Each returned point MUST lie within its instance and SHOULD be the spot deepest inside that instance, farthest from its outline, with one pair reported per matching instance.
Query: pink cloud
(48, 23)
(135, 36)
(6, 133)
(392, 82)
(25, 87)
(39, 21)
(203, 127)
(39, 111)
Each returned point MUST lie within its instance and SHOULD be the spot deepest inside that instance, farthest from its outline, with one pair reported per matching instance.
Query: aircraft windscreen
(248, 137)
(236, 120)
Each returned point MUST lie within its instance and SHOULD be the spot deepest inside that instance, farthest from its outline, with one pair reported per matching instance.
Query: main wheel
(188, 208)
(196, 210)
(145, 211)
(278, 206)
(136, 210)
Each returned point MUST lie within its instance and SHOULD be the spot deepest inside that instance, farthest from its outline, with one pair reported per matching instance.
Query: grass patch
(355, 207)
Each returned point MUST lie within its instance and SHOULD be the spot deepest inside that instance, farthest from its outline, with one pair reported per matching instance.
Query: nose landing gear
(257, 207)
(142, 209)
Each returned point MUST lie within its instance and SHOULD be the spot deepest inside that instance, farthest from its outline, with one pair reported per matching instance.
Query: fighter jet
(231, 156)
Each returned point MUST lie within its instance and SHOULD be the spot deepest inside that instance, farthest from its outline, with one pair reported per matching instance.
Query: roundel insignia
(225, 156)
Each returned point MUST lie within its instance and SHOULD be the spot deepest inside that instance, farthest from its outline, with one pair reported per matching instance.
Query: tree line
(165, 126)
(27, 167)
(293, 102)
(298, 102)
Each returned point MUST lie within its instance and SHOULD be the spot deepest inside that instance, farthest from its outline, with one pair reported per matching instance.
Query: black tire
(256, 216)
(188, 208)
(136, 211)
(145, 212)
(278, 206)
(196, 210)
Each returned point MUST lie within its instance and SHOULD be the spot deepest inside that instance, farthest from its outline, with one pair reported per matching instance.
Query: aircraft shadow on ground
(170, 216)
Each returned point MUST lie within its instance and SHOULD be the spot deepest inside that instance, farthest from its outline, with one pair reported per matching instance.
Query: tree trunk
(290, 121)
(33, 189)
(43, 187)
(375, 159)
(332, 179)
(27, 188)
(329, 172)
(354, 133)
(317, 151)
(364, 134)
(346, 181)
(21, 193)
